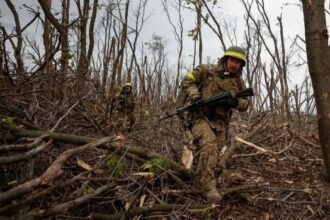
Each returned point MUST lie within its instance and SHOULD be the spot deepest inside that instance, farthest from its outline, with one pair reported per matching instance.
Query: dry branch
(15, 206)
(54, 170)
(148, 210)
(26, 155)
(64, 207)
(75, 139)
(28, 146)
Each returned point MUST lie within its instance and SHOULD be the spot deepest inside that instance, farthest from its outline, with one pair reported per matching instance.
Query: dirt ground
(274, 172)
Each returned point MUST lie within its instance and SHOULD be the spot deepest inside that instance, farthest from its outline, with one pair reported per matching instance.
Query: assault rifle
(214, 100)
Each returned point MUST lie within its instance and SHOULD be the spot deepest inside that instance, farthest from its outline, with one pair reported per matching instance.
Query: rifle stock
(217, 99)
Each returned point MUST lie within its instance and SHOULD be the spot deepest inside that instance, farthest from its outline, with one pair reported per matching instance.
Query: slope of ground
(274, 172)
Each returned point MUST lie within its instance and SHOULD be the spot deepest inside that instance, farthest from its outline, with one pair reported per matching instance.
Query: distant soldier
(209, 126)
(125, 104)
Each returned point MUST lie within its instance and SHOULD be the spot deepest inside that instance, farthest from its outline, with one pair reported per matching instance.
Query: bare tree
(108, 45)
(62, 28)
(47, 39)
(278, 53)
(123, 39)
(217, 29)
(91, 31)
(82, 67)
(18, 47)
(156, 64)
(318, 56)
(140, 19)
(198, 4)
(178, 34)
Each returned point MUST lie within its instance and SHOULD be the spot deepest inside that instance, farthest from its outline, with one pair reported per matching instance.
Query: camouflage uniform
(125, 107)
(209, 126)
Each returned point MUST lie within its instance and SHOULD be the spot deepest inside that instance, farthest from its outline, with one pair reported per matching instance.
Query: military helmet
(128, 85)
(236, 52)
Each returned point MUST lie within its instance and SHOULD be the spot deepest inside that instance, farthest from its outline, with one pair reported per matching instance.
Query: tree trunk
(63, 32)
(318, 55)
(122, 44)
(83, 64)
(18, 48)
(199, 30)
(49, 48)
(91, 31)
(64, 38)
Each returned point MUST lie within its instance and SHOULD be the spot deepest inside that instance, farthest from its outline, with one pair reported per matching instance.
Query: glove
(196, 99)
(230, 102)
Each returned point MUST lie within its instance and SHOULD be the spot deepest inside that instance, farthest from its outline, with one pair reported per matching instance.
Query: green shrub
(147, 115)
(117, 166)
(157, 165)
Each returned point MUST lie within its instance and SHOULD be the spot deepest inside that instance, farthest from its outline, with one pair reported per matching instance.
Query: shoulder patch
(191, 76)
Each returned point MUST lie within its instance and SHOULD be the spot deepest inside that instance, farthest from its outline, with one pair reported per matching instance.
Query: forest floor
(274, 172)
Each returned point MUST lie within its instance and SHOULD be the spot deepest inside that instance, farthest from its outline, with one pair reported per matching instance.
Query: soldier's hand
(233, 94)
(195, 98)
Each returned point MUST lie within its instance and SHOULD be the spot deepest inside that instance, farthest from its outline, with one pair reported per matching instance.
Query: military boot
(213, 196)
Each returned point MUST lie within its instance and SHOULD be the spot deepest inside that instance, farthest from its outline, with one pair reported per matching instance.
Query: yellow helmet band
(236, 55)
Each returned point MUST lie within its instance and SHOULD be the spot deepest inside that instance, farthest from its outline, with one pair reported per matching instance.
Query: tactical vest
(215, 81)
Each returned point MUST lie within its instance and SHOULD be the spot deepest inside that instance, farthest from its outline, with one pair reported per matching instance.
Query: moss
(117, 166)
(157, 165)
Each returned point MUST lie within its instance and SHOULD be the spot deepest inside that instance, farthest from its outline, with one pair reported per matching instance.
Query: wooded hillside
(62, 156)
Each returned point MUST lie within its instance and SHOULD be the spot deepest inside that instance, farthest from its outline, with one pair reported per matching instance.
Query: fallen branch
(26, 155)
(252, 145)
(54, 170)
(148, 210)
(75, 139)
(64, 207)
(18, 147)
(260, 149)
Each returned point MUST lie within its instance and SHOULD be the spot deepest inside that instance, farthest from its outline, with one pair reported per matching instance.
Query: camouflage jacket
(209, 80)
(125, 102)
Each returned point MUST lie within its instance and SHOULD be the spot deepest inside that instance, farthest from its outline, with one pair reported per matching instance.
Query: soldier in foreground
(209, 125)
(125, 107)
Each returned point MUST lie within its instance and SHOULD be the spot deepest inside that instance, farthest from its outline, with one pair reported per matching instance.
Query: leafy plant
(157, 165)
(117, 166)
(147, 115)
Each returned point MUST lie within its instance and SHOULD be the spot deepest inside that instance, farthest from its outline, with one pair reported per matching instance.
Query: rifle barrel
(209, 101)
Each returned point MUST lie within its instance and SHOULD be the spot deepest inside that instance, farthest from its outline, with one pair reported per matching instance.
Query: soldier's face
(233, 65)
(127, 89)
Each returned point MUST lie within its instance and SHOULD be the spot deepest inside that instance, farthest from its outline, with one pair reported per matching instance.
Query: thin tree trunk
(18, 47)
(91, 31)
(122, 44)
(83, 64)
(318, 55)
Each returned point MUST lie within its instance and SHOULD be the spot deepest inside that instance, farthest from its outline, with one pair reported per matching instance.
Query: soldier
(125, 107)
(209, 126)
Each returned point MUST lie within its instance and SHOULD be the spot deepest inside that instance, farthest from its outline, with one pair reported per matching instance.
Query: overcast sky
(232, 10)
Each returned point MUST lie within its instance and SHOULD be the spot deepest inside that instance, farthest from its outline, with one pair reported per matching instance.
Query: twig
(63, 207)
(53, 171)
(24, 156)
(63, 116)
(25, 93)
(146, 210)
(29, 200)
(74, 105)
(252, 145)
(260, 149)
(28, 146)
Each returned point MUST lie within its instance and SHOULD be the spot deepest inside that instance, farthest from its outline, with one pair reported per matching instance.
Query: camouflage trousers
(209, 141)
(125, 120)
